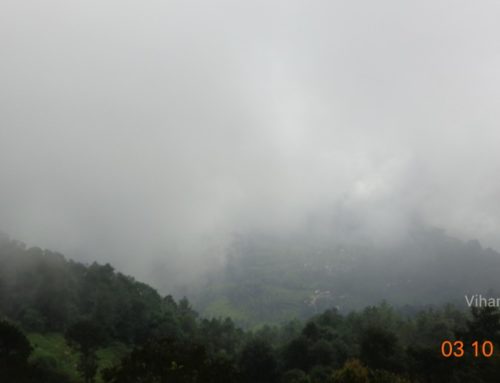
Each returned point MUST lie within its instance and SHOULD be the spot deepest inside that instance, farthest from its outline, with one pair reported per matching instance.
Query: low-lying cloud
(134, 132)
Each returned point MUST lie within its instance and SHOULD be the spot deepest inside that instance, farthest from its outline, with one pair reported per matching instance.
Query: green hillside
(66, 322)
(52, 351)
(271, 279)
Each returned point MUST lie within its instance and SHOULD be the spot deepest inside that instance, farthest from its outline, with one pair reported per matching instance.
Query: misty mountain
(267, 278)
(147, 337)
(246, 164)
(45, 292)
(271, 278)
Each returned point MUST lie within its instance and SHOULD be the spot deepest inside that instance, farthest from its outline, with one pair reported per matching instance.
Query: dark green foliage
(295, 376)
(321, 374)
(379, 349)
(93, 305)
(86, 337)
(352, 372)
(45, 292)
(221, 336)
(295, 354)
(320, 344)
(427, 365)
(484, 325)
(258, 363)
(381, 376)
(172, 360)
(14, 350)
(15, 367)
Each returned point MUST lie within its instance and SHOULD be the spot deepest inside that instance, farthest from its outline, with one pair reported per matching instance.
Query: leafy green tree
(258, 363)
(86, 337)
(381, 376)
(220, 336)
(295, 376)
(352, 372)
(14, 352)
(296, 354)
(427, 365)
(173, 361)
(484, 325)
(322, 353)
(321, 374)
(379, 348)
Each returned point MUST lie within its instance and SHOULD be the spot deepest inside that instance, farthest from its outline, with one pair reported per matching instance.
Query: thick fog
(148, 132)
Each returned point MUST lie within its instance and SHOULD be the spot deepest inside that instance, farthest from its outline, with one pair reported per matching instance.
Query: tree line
(168, 341)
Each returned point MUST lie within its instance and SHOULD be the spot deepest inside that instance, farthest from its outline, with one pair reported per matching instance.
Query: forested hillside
(273, 278)
(65, 322)
(43, 291)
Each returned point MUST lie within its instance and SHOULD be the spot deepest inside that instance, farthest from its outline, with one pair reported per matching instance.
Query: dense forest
(271, 278)
(62, 321)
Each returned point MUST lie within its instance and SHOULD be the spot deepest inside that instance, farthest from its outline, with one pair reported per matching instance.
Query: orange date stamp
(457, 349)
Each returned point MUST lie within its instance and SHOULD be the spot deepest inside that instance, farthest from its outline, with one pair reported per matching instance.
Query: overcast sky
(134, 129)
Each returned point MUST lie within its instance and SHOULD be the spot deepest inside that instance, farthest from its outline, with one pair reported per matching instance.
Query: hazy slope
(273, 278)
